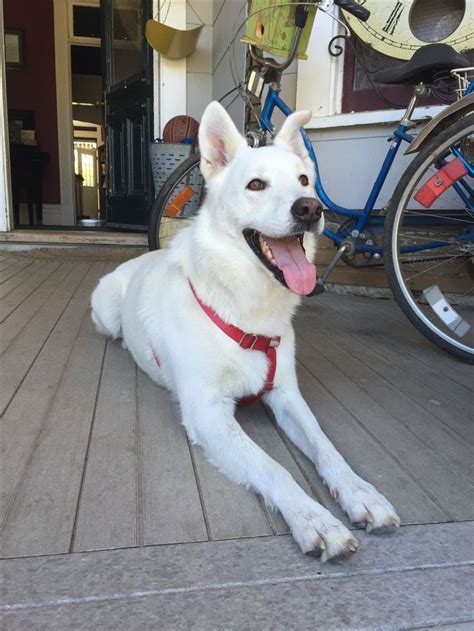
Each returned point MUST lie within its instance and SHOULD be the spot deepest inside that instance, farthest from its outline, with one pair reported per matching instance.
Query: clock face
(397, 28)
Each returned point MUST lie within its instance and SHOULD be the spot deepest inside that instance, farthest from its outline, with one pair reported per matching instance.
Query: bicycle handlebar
(266, 61)
(355, 9)
(301, 14)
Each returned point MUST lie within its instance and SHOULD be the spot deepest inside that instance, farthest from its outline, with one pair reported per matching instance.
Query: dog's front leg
(211, 424)
(365, 506)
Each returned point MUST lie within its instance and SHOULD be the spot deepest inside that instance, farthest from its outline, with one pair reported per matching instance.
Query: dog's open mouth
(286, 259)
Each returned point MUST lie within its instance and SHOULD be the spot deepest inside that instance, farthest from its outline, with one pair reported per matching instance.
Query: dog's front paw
(320, 534)
(366, 507)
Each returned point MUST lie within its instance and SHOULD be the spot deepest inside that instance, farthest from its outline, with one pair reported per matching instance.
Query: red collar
(249, 342)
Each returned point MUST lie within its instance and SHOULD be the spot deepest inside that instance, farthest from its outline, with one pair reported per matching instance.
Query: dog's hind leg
(106, 303)
(211, 424)
(365, 506)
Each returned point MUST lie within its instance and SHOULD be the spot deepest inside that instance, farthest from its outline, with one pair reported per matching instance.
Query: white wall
(208, 75)
(199, 63)
(349, 160)
(170, 93)
(228, 15)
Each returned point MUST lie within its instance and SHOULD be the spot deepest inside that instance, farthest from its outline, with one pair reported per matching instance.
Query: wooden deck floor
(95, 457)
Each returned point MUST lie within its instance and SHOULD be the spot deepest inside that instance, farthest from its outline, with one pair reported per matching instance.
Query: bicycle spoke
(409, 235)
(428, 251)
(436, 216)
(425, 271)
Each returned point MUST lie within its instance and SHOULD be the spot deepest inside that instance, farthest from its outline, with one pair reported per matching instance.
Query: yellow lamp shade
(170, 42)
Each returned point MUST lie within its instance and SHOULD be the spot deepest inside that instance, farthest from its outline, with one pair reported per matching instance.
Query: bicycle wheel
(429, 241)
(176, 203)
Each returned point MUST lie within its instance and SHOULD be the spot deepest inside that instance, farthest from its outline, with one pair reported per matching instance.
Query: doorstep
(417, 578)
(72, 237)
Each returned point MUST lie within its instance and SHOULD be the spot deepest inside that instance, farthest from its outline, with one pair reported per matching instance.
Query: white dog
(210, 319)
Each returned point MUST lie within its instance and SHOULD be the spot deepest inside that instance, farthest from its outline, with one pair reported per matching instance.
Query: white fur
(149, 303)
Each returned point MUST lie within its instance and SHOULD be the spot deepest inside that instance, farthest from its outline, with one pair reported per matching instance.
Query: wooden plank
(172, 511)
(231, 511)
(6, 262)
(110, 507)
(14, 269)
(441, 481)
(415, 598)
(366, 456)
(387, 320)
(382, 321)
(75, 237)
(41, 517)
(68, 579)
(15, 298)
(15, 281)
(425, 387)
(447, 444)
(25, 418)
(23, 351)
(25, 313)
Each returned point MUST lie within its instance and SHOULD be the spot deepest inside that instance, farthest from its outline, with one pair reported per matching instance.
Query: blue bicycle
(426, 234)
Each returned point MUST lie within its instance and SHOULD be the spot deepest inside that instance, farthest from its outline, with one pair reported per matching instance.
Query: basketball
(180, 127)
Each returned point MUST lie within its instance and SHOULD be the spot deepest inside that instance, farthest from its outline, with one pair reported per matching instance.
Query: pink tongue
(299, 273)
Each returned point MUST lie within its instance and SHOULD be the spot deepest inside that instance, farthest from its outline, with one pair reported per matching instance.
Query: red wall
(34, 86)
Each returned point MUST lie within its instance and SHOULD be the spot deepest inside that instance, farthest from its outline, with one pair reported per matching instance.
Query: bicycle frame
(361, 217)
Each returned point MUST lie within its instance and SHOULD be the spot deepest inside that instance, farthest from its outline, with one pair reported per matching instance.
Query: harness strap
(249, 342)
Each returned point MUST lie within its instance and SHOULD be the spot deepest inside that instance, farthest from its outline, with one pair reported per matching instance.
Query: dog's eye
(256, 185)
(304, 180)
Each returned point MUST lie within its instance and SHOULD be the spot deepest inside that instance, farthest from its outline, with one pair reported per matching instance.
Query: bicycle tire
(402, 195)
(159, 205)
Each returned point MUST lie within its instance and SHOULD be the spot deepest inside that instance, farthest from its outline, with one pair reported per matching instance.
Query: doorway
(87, 182)
(80, 113)
(88, 114)
(128, 112)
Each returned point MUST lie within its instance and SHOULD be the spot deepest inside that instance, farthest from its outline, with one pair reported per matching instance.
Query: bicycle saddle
(426, 62)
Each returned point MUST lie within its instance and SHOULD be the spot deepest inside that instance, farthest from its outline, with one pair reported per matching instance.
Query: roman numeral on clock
(393, 18)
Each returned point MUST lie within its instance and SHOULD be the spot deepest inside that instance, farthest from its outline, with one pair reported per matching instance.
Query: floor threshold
(71, 237)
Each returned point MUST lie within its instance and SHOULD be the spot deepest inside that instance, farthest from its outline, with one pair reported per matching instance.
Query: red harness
(249, 342)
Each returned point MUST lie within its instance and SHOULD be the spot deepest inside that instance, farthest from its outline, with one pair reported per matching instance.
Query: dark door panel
(128, 112)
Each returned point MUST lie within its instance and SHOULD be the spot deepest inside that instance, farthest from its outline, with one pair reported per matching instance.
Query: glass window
(86, 60)
(86, 21)
(127, 39)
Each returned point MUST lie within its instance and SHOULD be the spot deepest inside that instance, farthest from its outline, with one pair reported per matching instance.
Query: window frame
(320, 83)
(76, 39)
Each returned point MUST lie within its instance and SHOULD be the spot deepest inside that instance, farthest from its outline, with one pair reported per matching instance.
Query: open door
(128, 112)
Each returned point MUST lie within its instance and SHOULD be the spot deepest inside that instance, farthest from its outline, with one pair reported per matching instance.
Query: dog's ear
(290, 136)
(219, 140)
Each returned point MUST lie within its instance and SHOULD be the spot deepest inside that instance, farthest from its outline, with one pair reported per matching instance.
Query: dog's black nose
(307, 211)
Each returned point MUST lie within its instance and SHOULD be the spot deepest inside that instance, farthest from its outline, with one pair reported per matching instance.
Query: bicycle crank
(345, 247)
(356, 257)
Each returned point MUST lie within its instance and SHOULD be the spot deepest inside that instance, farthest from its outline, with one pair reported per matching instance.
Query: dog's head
(265, 197)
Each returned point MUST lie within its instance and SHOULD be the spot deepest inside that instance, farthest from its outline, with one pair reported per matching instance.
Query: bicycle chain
(425, 259)
(422, 259)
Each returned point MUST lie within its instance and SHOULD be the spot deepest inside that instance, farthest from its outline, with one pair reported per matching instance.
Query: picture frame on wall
(14, 48)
